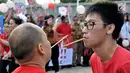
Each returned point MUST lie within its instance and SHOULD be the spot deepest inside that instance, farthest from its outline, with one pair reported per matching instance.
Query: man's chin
(87, 45)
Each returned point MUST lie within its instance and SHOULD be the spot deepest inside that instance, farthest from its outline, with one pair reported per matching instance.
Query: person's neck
(64, 23)
(106, 50)
(76, 23)
(34, 62)
(51, 25)
(41, 22)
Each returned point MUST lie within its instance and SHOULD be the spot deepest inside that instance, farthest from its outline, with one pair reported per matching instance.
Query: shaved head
(25, 38)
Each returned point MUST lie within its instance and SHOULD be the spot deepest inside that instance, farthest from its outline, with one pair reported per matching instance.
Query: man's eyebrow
(91, 20)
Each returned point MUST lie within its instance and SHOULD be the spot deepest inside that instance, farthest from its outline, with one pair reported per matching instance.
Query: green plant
(71, 1)
(3, 1)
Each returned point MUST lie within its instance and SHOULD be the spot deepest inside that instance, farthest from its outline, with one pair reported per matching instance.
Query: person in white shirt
(125, 31)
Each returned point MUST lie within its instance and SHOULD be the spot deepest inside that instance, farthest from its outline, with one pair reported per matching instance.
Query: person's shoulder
(28, 69)
(68, 25)
(93, 57)
(59, 25)
(72, 25)
(122, 54)
(94, 60)
(122, 51)
(17, 70)
(127, 22)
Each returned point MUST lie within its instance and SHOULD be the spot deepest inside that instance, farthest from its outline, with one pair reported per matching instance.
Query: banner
(20, 7)
(1, 24)
(65, 53)
(65, 56)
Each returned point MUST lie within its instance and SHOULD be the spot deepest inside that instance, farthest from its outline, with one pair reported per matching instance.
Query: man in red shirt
(103, 23)
(64, 29)
(30, 47)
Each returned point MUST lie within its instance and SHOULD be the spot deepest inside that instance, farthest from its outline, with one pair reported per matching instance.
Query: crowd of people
(26, 46)
(55, 29)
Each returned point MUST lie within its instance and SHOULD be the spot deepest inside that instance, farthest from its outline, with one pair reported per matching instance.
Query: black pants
(3, 65)
(12, 65)
(86, 57)
(86, 60)
(54, 58)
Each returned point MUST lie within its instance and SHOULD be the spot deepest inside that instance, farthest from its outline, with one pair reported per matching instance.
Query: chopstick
(59, 41)
(73, 42)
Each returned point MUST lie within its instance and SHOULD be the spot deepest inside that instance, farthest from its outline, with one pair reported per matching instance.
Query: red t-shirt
(28, 69)
(5, 49)
(120, 62)
(64, 29)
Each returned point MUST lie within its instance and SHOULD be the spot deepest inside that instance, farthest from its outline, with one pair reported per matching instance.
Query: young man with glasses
(103, 23)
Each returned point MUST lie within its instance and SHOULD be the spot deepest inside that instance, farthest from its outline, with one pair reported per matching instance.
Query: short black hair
(27, 15)
(51, 16)
(23, 44)
(59, 16)
(63, 18)
(109, 13)
(17, 20)
(75, 17)
(32, 21)
(45, 20)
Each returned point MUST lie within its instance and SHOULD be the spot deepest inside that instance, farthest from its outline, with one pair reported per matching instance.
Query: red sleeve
(58, 29)
(70, 29)
(125, 68)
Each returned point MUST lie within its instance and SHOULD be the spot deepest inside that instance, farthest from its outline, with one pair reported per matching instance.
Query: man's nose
(84, 30)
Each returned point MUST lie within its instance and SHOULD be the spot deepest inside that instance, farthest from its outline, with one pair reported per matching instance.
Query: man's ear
(110, 28)
(40, 49)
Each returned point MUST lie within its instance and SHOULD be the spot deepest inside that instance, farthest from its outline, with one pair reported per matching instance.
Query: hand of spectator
(5, 57)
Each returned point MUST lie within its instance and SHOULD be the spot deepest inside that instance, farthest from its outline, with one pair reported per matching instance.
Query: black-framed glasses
(89, 25)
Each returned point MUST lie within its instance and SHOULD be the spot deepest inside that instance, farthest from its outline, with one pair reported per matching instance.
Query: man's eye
(91, 23)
